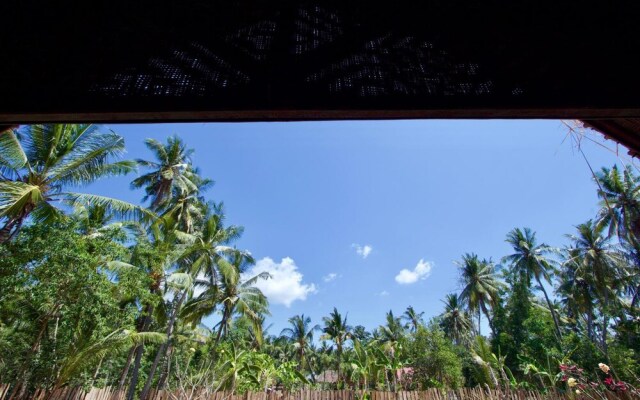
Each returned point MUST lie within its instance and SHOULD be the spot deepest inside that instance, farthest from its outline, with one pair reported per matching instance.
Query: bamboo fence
(477, 393)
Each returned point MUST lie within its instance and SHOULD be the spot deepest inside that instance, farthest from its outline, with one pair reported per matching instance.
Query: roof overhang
(258, 60)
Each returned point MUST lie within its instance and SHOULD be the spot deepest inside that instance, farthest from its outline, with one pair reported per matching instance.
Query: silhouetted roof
(304, 60)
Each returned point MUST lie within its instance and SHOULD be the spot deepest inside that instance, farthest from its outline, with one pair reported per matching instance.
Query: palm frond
(16, 195)
(180, 281)
(120, 209)
(12, 154)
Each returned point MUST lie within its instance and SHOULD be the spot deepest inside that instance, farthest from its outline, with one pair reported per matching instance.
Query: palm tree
(577, 291)
(38, 164)
(529, 261)
(595, 255)
(171, 175)
(179, 284)
(480, 284)
(393, 331)
(92, 349)
(455, 321)
(211, 245)
(621, 211)
(413, 318)
(336, 329)
(235, 295)
(301, 333)
(156, 252)
(621, 203)
(391, 337)
(360, 333)
(189, 208)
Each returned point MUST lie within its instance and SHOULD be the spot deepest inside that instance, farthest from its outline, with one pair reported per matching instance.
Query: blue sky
(370, 216)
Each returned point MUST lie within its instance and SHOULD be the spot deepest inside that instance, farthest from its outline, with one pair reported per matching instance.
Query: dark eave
(259, 60)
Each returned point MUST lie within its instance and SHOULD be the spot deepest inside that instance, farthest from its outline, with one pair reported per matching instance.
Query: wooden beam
(319, 115)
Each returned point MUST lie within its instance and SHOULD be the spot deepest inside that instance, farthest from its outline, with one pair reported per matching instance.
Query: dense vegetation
(96, 291)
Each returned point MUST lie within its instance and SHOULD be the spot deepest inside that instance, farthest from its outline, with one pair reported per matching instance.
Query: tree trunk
(590, 334)
(486, 314)
(134, 375)
(223, 322)
(395, 380)
(97, 372)
(636, 297)
(163, 347)
(15, 224)
(605, 324)
(139, 351)
(166, 368)
(553, 313)
(339, 355)
(125, 371)
(5, 232)
(22, 381)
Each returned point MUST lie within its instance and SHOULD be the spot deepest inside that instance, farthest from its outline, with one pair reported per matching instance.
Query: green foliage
(108, 293)
(434, 360)
(57, 301)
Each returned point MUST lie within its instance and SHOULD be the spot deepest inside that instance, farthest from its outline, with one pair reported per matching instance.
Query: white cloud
(384, 293)
(330, 277)
(421, 272)
(363, 251)
(285, 285)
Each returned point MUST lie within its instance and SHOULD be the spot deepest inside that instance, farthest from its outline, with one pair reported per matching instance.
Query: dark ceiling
(303, 60)
(467, 57)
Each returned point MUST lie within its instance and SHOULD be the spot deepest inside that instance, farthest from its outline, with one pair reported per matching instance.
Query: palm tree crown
(170, 176)
(336, 329)
(301, 334)
(413, 318)
(529, 261)
(620, 194)
(39, 162)
(480, 284)
(455, 321)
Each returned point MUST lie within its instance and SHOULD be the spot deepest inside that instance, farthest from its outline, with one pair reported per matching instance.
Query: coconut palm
(595, 255)
(189, 208)
(91, 350)
(620, 194)
(40, 162)
(301, 333)
(211, 244)
(529, 260)
(577, 291)
(337, 330)
(413, 318)
(392, 335)
(171, 174)
(360, 333)
(158, 252)
(455, 321)
(392, 332)
(235, 294)
(480, 284)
